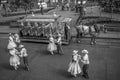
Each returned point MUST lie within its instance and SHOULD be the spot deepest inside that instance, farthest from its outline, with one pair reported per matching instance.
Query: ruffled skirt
(14, 61)
(52, 47)
(74, 68)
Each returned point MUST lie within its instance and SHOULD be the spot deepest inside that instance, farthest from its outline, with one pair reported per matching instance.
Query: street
(43, 66)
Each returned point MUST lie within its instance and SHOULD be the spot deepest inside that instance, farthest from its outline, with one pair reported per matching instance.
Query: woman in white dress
(52, 46)
(11, 43)
(14, 59)
(74, 67)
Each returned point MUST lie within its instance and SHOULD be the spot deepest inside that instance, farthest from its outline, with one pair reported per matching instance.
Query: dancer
(14, 59)
(11, 43)
(86, 63)
(74, 67)
(59, 43)
(51, 46)
(17, 39)
(24, 55)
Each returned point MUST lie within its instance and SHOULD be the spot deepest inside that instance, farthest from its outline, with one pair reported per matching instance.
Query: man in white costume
(86, 62)
(59, 44)
(24, 55)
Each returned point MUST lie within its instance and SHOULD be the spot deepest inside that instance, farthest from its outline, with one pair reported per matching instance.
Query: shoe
(27, 68)
(83, 75)
(75, 75)
(87, 77)
(91, 43)
(79, 41)
(15, 67)
(94, 42)
(61, 54)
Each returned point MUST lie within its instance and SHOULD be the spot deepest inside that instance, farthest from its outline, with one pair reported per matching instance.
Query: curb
(101, 37)
(6, 32)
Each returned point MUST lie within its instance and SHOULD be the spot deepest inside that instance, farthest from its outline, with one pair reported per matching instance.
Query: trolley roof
(45, 18)
(40, 18)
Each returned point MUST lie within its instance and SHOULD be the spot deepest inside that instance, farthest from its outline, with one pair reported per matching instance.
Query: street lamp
(80, 3)
(40, 6)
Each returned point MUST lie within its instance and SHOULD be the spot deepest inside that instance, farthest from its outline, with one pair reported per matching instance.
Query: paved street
(44, 66)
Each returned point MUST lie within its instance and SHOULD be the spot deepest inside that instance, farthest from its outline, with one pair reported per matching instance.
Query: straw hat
(85, 51)
(10, 34)
(75, 51)
(50, 35)
(59, 35)
(21, 46)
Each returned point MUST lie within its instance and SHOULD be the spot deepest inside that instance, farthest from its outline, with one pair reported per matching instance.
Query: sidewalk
(108, 35)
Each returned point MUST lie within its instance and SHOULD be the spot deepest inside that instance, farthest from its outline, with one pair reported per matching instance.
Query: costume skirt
(52, 47)
(14, 60)
(74, 68)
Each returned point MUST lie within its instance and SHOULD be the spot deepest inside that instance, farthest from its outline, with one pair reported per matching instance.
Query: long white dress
(11, 43)
(74, 67)
(14, 59)
(52, 46)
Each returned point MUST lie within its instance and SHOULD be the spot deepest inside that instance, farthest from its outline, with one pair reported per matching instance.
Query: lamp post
(41, 7)
(111, 2)
(81, 10)
(81, 3)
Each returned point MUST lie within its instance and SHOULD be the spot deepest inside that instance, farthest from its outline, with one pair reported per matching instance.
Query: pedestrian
(67, 6)
(104, 28)
(14, 59)
(93, 34)
(42, 10)
(74, 67)
(86, 62)
(67, 30)
(63, 6)
(24, 55)
(59, 44)
(52, 46)
(79, 34)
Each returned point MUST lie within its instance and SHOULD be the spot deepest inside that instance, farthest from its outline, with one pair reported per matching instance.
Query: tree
(109, 5)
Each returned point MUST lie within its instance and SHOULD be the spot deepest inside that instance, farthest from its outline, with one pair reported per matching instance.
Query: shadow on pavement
(64, 73)
(43, 52)
(6, 66)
